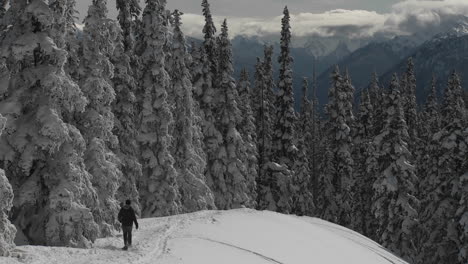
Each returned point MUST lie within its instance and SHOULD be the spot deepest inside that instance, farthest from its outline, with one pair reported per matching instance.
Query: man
(127, 217)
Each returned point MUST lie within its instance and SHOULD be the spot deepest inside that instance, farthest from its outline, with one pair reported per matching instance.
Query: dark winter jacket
(127, 216)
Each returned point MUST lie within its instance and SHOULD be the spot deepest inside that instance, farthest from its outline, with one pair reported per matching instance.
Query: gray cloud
(259, 8)
(257, 18)
(419, 16)
(346, 30)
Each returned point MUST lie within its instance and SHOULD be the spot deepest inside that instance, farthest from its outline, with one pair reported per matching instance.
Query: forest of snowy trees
(126, 109)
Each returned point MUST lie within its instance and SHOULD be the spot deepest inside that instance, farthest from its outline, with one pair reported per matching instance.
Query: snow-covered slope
(228, 237)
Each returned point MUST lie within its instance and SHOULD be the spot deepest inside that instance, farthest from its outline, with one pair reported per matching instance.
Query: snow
(229, 237)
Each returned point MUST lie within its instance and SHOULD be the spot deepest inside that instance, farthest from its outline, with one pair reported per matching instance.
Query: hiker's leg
(130, 235)
(125, 235)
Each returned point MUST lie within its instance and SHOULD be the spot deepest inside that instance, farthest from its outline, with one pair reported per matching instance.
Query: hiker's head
(128, 202)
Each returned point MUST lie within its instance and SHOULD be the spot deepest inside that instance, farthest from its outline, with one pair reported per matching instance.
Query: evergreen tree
(339, 166)
(43, 150)
(430, 125)
(303, 201)
(159, 190)
(209, 43)
(284, 150)
(395, 206)
(269, 100)
(129, 10)
(365, 168)
(125, 105)
(189, 161)
(348, 92)
(430, 117)
(194, 66)
(409, 105)
(315, 144)
(206, 94)
(450, 167)
(277, 156)
(260, 102)
(377, 97)
(97, 122)
(264, 99)
(7, 230)
(326, 202)
(72, 41)
(247, 127)
(232, 185)
(438, 204)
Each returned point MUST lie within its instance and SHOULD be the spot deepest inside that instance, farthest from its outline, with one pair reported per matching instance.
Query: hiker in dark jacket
(127, 217)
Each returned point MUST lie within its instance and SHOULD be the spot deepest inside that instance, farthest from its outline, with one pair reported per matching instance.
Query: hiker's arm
(119, 216)
(135, 220)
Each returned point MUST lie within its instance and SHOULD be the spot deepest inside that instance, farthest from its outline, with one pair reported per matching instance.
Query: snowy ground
(228, 237)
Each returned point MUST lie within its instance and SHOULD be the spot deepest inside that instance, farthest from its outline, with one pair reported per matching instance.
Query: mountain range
(435, 53)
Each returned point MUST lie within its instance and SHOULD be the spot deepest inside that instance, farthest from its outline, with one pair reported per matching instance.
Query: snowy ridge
(236, 236)
(459, 30)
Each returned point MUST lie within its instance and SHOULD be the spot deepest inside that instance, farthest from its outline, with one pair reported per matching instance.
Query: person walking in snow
(127, 217)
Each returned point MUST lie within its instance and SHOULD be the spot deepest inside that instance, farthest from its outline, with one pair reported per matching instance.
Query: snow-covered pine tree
(158, 188)
(348, 92)
(303, 200)
(204, 72)
(340, 147)
(209, 43)
(394, 204)
(326, 202)
(315, 144)
(125, 105)
(264, 99)
(269, 101)
(190, 160)
(377, 97)
(43, 152)
(450, 167)
(264, 181)
(129, 10)
(97, 122)
(438, 206)
(430, 124)
(197, 74)
(248, 127)
(205, 95)
(364, 170)
(7, 230)
(194, 62)
(73, 42)
(430, 117)
(284, 150)
(347, 182)
(410, 106)
(365, 126)
(275, 179)
(232, 185)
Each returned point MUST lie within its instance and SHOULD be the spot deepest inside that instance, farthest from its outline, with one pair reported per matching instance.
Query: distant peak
(459, 29)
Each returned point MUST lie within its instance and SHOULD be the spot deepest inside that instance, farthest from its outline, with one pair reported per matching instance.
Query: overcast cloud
(351, 18)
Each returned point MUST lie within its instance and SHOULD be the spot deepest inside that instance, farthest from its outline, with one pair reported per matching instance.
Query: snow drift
(236, 236)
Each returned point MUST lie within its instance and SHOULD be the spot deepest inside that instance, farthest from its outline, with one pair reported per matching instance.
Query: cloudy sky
(324, 17)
